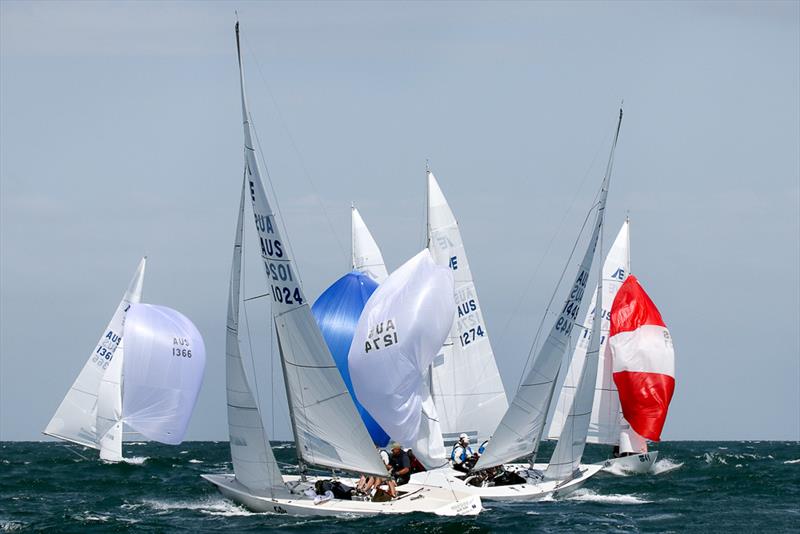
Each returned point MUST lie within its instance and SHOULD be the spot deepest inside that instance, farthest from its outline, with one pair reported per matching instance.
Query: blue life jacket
(466, 452)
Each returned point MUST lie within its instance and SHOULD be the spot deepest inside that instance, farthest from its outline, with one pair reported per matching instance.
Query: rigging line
(306, 174)
(555, 291)
(559, 227)
(70, 449)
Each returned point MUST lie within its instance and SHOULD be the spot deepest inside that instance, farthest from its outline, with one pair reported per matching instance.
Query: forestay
(328, 430)
(76, 417)
(604, 425)
(367, 257)
(521, 428)
(254, 463)
(162, 371)
(399, 333)
(467, 388)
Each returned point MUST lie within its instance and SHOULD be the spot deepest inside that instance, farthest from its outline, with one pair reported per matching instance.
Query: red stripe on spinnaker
(633, 308)
(644, 398)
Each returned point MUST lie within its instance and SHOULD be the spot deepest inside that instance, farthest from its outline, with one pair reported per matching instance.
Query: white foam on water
(193, 461)
(738, 465)
(617, 469)
(211, 506)
(11, 526)
(136, 460)
(587, 495)
(665, 465)
(792, 461)
(88, 517)
(184, 452)
(660, 517)
(712, 457)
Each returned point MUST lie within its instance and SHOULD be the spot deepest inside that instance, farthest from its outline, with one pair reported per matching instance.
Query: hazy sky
(120, 135)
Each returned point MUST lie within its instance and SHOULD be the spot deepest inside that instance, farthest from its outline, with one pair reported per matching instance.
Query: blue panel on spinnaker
(337, 311)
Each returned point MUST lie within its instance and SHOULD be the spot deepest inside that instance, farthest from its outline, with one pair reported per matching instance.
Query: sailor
(401, 464)
(462, 456)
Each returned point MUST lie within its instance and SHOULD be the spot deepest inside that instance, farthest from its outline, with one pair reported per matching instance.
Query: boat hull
(637, 464)
(532, 491)
(415, 499)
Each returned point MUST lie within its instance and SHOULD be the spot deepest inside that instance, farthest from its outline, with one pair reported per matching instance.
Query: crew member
(462, 456)
(401, 464)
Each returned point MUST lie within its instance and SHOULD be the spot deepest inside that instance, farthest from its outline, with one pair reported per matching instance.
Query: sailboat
(466, 387)
(144, 374)
(607, 425)
(327, 429)
(522, 426)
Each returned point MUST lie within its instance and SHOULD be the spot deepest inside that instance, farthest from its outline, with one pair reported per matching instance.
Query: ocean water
(696, 486)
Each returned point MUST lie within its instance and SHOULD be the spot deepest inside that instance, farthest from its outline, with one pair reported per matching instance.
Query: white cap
(463, 436)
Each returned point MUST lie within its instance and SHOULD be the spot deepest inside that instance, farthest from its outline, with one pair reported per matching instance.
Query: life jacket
(483, 446)
(466, 452)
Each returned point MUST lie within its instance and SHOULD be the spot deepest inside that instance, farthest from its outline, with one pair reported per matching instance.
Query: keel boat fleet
(607, 380)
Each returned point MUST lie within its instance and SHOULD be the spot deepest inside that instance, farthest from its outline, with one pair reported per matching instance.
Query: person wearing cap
(400, 463)
(462, 456)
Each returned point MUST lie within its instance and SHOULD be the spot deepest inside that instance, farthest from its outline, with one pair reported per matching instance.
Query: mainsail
(76, 417)
(466, 384)
(521, 428)
(254, 463)
(327, 428)
(367, 257)
(398, 334)
(605, 422)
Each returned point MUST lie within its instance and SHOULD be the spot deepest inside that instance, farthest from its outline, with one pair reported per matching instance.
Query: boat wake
(587, 495)
(665, 465)
(210, 506)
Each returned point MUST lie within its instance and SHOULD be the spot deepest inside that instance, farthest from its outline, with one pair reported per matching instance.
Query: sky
(120, 136)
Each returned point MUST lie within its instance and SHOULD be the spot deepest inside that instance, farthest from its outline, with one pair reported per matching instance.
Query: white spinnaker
(327, 427)
(254, 463)
(400, 330)
(367, 257)
(109, 408)
(165, 358)
(76, 417)
(522, 426)
(467, 387)
(604, 425)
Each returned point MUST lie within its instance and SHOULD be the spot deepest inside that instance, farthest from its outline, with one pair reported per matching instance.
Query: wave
(587, 495)
(665, 465)
(792, 461)
(194, 461)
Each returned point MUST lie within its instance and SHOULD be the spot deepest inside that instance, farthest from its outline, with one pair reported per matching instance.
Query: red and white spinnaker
(643, 359)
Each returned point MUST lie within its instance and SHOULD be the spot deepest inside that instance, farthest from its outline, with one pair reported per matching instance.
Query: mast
(601, 208)
(520, 430)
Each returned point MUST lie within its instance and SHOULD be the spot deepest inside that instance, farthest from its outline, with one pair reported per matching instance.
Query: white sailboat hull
(636, 464)
(534, 491)
(419, 499)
